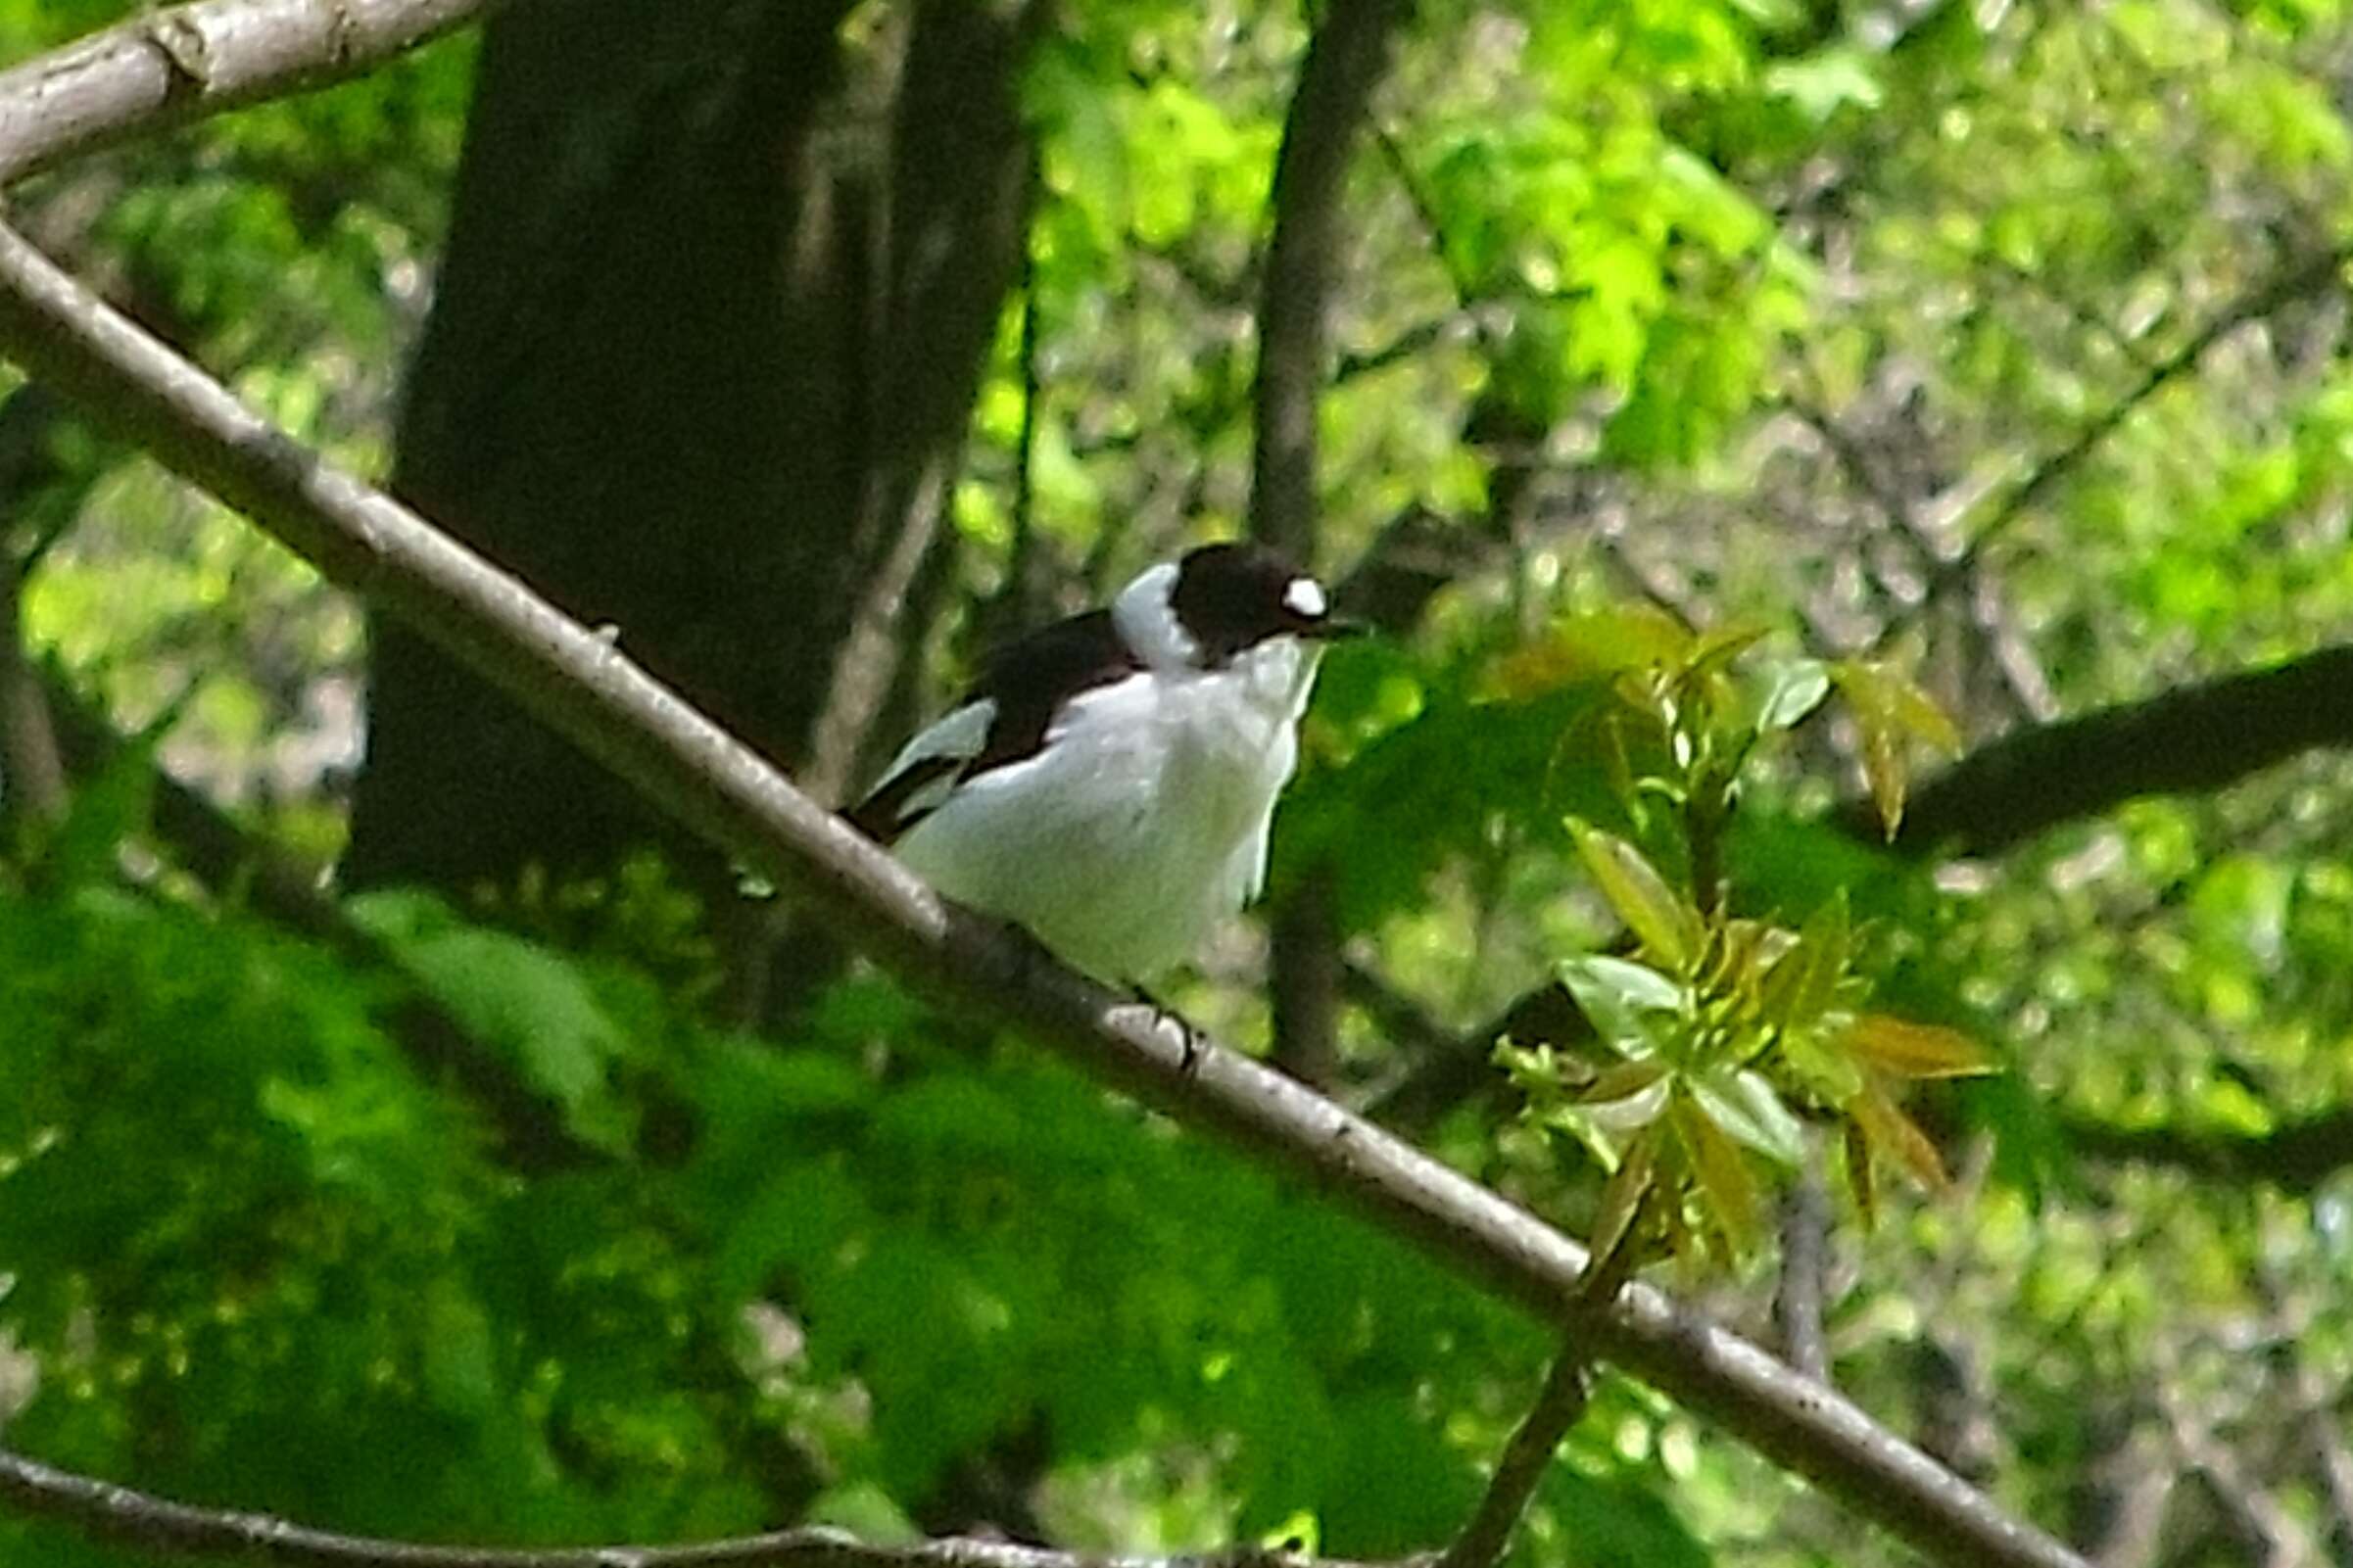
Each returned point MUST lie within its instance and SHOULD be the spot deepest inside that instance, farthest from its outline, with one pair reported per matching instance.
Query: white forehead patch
(1304, 598)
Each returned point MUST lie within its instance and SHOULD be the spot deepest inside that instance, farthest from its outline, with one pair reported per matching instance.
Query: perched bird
(1109, 781)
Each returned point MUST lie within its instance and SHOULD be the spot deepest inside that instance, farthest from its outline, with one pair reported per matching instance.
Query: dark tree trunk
(717, 295)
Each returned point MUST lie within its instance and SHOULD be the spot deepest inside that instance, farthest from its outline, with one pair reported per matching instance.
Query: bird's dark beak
(1335, 629)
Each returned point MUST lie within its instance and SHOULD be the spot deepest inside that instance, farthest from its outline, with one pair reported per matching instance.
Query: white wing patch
(1305, 596)
(957, 736)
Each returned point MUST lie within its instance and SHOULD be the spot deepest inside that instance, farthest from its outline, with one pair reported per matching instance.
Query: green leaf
(1589, 647)
(1891, 710)
(1804, 981)
(102, 812)
(1668, 926)
(1822, 83)
(1910, 1050)
(1615, 993)
(527, 1002)
(1622, 1198)
(1626, 1098)
(1744, 1107)
(460, 1368)
(1793, 690)
(1726, 1189)
(1890, 1135)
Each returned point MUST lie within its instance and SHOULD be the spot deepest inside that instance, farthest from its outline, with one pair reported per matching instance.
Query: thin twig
(1559, 1405)
(1797, 1302)
(141, 1519)
(2307, 276)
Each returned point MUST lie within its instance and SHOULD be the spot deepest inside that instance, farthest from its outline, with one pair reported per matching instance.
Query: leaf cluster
(1718, 1021)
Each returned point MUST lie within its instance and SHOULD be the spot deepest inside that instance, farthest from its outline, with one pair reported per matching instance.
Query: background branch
(141, 1519)
(586, 689)
(173, 65)
(2306, 276)
(2192, 740)
(2295, 1155)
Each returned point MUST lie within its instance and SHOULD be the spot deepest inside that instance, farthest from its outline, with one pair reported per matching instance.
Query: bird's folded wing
(1007, 718)
(926, 772)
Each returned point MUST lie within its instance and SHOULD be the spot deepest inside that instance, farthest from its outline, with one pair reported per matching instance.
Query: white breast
(1143, 821)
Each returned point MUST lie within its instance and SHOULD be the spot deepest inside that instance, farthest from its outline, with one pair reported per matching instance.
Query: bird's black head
(1229, 598)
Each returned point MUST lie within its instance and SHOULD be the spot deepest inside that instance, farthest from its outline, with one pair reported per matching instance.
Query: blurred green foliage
(1866, 323)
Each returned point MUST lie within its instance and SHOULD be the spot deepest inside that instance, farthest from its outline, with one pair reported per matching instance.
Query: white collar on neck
(1147, 622)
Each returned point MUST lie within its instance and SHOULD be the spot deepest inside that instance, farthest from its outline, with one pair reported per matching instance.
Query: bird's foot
(1189, 1058)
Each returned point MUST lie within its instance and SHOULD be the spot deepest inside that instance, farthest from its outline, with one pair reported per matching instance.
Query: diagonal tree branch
(2191, 740)
(176, 64)
(583, 684)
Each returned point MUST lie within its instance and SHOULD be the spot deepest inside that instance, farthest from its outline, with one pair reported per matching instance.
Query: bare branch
(1798, 1301)
(2295, 1155)
(2191, 740)
(584, 686)
(1559, 1405)
(157, 1524)
(32, 778)
(168, 67)
(32, 775)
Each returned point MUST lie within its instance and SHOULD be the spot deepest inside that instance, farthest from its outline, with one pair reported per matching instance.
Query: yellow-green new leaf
(1588, 648)
(1861, 1180)
(1622, 1198)
(1805, 980)
(1726, 1189)
(1891, 709)
(1615, 994)
(1895, 1136)
(1668, 926)
(1744, 1107)
(1906, 1049)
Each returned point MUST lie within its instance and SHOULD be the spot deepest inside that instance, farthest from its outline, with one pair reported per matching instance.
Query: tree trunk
(717, 295)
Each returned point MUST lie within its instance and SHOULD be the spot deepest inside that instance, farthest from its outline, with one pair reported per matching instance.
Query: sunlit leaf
(1861, 1181)
(1890, 711)
(1909, 1050)
(1793, 690)
(1894, 1135)
(1615, 994)
(1625, 1098)
(1718, 648)
(1668, 926)
(1622, 1198)
(1589, 647)
(1744, 1107)
(1727, 1190)
(1830, 1074)
(1803, 983)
